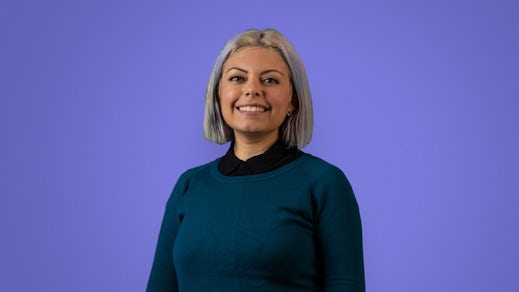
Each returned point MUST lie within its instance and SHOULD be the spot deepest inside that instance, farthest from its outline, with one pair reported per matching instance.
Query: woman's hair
(297, 128)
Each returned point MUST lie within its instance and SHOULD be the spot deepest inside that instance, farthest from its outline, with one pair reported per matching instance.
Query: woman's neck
(247, 147)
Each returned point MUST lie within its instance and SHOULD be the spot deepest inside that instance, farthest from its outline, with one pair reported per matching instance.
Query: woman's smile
(252, 108)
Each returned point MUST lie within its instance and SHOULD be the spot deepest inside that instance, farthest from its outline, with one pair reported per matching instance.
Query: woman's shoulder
(316, 166)
(327, 180)
(197, 172)
(203, 169)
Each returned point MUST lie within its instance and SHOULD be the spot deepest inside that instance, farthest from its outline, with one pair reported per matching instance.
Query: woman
(266, 216)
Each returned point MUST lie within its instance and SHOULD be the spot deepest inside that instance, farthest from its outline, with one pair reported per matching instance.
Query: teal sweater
(296, 228)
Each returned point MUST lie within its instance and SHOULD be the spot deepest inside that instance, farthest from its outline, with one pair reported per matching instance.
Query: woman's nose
(253, 89)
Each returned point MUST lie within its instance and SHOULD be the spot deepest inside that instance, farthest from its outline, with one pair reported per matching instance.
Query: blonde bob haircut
(297, 128)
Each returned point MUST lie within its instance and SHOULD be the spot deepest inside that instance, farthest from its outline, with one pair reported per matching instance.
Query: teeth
(251, 108)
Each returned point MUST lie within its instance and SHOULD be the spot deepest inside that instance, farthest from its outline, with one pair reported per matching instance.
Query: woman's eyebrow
(271, 70)
(237, 68)
(262, 72)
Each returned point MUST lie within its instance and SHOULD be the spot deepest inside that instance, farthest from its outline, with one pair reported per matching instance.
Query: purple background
(102, 104)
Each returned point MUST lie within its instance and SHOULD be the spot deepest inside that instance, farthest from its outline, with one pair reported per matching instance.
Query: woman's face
(255, 93)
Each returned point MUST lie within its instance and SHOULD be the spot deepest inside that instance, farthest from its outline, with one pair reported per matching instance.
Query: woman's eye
(271, 81)
(235, 78)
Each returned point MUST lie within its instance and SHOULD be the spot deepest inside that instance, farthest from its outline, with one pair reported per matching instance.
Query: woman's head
(296, 129)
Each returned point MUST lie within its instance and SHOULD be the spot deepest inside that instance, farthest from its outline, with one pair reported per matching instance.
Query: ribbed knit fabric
(296, 228)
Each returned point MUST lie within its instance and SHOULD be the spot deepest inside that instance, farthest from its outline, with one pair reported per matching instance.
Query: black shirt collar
(276, 156)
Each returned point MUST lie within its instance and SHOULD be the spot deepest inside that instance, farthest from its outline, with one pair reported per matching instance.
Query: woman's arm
(339, 235)
(163, 277)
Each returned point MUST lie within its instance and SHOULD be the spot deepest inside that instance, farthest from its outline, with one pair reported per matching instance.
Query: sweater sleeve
(163, 276)
(339, 234)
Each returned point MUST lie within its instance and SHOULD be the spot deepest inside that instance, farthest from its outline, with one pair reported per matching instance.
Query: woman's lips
(252, 108)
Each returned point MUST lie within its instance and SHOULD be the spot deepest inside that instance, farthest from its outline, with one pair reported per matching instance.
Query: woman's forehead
(257, 58)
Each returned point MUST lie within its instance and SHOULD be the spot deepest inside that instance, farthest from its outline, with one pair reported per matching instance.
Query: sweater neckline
(256, 177)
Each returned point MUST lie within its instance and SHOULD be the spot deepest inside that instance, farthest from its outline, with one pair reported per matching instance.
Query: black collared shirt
(276, 156)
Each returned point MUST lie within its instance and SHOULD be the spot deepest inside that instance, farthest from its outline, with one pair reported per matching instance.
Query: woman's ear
(291, 107)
